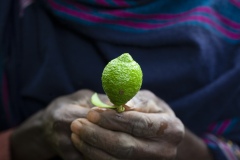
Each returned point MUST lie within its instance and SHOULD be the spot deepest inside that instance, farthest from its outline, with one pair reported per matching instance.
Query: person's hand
(148, 129)
(47, 134)
(58, 117)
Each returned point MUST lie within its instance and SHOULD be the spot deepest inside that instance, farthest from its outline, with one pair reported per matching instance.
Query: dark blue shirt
(189, 57)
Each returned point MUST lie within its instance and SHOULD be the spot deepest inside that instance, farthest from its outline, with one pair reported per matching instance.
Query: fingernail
(93, 115)
(76, 126)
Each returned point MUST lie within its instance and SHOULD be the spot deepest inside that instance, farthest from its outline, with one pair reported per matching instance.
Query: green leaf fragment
(97, 102)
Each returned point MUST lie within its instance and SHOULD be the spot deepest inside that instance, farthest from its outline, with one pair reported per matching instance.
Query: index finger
(145, 125)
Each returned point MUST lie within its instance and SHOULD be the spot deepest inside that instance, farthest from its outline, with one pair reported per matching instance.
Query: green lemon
(121, 79)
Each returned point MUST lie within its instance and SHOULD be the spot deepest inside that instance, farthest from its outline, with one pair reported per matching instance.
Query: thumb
(147, 102)
(148, 106)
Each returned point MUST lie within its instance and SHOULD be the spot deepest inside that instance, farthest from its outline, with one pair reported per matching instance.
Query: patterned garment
(221, 18)
(189, 51)
(220, 146)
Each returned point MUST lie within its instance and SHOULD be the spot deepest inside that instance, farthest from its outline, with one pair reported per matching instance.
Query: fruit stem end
(120, 109)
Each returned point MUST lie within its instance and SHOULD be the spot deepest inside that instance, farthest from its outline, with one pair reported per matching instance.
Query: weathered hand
(58, 117)
(48, 133)
(148, 129)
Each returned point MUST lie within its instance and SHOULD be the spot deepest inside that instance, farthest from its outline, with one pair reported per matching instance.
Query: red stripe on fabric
(102, 2)
(206, 10)
(141, 25)
(236, 3)
(212, 127)
(82, 7)
(6, 98)
(121, 3)
(203, 9)
(223, 127)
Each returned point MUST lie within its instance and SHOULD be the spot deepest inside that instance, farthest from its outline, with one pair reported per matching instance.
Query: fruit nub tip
(125, 57)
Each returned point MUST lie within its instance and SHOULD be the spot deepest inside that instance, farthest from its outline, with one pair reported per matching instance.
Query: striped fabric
(151, 15)
(224, 146)
(224, 127)
(221, 148)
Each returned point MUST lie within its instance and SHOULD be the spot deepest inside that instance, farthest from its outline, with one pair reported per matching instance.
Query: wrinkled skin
(47, 133)
(148, 129)
(58, 117)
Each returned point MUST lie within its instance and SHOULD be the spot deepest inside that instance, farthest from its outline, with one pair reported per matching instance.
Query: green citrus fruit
(121, 79)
